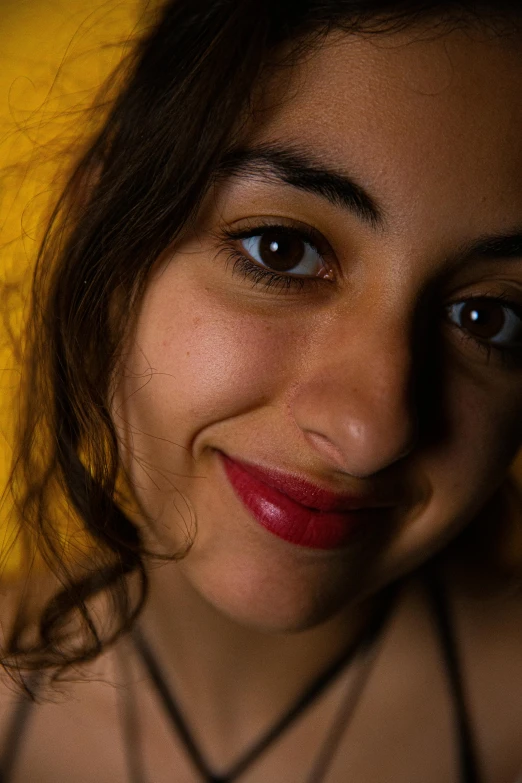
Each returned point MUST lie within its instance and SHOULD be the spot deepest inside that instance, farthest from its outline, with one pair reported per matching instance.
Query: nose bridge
(358, 405)
(387, 358)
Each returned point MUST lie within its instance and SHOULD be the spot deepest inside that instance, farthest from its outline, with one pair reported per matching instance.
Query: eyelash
(508, 356)
(268, 279)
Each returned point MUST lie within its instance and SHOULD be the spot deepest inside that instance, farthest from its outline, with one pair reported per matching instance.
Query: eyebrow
(490, 247)
(299, 168)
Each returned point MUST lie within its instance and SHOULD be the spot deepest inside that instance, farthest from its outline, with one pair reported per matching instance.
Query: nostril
(328, 449)
(364, 454)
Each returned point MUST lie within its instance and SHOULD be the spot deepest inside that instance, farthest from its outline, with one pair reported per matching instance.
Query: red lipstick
(296, 510)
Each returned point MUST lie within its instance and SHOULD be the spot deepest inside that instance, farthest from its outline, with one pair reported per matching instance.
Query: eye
(282, 251)
(488, 320)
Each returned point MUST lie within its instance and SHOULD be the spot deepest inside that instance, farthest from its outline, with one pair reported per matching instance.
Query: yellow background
(54, 57)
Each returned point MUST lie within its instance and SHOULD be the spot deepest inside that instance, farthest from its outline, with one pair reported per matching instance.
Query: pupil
(483, 320)
(280, 250)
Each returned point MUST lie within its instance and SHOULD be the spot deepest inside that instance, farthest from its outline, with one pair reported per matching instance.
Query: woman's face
(381, 178)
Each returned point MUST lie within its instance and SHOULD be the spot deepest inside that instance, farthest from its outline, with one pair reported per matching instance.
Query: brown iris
(483, 319)
(281, 250)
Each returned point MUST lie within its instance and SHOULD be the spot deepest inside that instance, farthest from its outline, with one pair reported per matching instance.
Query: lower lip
(289, 520)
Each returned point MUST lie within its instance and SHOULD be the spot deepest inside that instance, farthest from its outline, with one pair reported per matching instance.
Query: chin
(269, 602)
(271, 619)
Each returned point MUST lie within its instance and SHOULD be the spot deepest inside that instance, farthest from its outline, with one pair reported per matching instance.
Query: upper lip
(307, 494)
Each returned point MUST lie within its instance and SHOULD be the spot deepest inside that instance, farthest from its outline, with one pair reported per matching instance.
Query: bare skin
(368, 383)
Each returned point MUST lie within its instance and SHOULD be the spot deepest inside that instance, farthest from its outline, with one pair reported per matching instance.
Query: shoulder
(55, 729)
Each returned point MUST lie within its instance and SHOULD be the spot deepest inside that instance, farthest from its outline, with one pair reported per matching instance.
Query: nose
(356, 406)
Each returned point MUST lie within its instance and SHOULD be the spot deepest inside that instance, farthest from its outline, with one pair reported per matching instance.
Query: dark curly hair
(182, 102)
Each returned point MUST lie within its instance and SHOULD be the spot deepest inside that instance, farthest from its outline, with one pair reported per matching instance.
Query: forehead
(433, 121)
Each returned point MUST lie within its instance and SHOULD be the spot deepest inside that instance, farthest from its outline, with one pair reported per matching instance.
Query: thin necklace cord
(311, 693)
(442, 616)
(130, 722)
(17, 728)
(469, 767)
(343, 717)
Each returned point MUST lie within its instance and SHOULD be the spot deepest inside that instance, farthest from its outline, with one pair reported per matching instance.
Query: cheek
(194, 366)
(197, 361)
(463, 468)
(487, 427)
(207, 368)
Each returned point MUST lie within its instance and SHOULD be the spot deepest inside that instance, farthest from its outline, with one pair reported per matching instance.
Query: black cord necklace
(363, 646)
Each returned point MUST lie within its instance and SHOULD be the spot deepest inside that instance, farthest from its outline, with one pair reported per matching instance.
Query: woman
(276, 345)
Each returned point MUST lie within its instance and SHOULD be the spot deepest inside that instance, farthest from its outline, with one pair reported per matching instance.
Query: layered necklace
(364, 649)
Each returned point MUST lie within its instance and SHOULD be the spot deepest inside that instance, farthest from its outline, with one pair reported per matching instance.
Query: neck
(232, 680)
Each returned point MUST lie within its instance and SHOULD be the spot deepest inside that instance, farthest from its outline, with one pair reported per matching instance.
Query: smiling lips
(295, 510)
